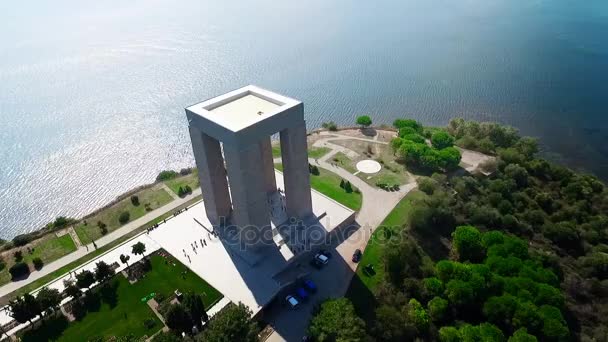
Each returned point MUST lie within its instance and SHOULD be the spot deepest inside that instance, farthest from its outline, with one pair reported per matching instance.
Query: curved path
(334, 279)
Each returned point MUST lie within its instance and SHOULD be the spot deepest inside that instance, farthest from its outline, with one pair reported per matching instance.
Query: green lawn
(155, 196)
(317, 152)
(343, 161)
(190, 180)
(328, 183)
(48, 248)
(276, 150)
(51, 248)
(74, 264)
(364, 284)
(124, 313)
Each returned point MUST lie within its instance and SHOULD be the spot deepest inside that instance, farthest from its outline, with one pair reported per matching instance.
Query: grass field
(74, 264)
(363, 285)
(48, 248)
(328, 183)
(156, 197)
(190, 180)
(123, 312)
(392, 173)
(317, 152)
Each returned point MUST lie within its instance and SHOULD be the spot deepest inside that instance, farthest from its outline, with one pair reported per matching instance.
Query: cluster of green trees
(233, 323)
(485, 137)
(412, 148)
(25, 309)
(191, 312)
(348, 188)
(552, 287)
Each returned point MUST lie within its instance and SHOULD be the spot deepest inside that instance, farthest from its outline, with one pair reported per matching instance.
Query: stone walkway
(102, 241)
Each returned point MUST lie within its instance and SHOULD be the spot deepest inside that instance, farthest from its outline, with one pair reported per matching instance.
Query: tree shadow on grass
(108, 293)
(363, 300)
(49, 330)
(92, 302)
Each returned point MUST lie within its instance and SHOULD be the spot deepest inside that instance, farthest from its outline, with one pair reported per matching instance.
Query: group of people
(154, 226)
(195, 245)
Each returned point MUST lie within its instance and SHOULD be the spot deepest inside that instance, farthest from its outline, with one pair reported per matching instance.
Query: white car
(292, 301)
(321, 258)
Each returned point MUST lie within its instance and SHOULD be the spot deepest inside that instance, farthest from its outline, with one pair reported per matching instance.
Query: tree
(138, 248)
(337, 321)
(103, 271)
(124, 217)
(125, 259)
(402, 123)
(196, 308)
(449, 334)
(85, 279)
(24, 309)
(19, 270)
(38, 263)
(177, 319)
(390, 325)
(232, 323)
(103, 228)
(418, 315)
(441, 140)
(348, 187)
(364, 121)
(71, 289)
(521, 335)
(467, 240)
(438, 308)
(49, 299)
(135, 200)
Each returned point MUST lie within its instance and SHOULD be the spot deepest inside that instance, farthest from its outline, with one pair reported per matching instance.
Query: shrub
(364, 121)
(18, 255)
(19, 270)
(124, 217)
(166, 175)
(331, 126)
(441, 140)
(427, 185)
(38, 263)
(149, 323)
(135, 200)
(185, 171)
(413, 124)
(21, 240)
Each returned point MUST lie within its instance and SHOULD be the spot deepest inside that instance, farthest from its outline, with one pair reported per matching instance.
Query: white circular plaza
(368, 166)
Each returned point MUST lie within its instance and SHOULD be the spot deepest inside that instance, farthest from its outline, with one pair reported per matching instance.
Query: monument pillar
(212, 175)
(270, 182)
(249, 196)
(295, 171)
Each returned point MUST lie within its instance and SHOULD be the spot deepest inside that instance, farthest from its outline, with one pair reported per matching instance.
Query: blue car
(310, 286)
(302, 293)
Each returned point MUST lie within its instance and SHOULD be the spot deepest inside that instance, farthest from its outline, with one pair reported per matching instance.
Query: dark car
(357, 255)
(302, 293)
(310, 286)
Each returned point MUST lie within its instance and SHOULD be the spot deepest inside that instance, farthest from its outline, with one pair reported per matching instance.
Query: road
(333, 280)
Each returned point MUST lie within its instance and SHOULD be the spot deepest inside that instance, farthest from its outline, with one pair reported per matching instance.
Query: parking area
(331, 280)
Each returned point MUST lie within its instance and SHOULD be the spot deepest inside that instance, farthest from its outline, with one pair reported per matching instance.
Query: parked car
(302, 294)
(326, 253)
(321, 258)
(357, 255)
(310, 286)
(292, 301)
